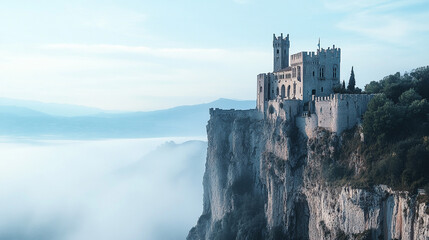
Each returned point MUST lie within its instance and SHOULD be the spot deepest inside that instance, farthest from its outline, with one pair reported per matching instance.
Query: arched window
(277, 93)
(283, 91)
(260, 88)
(321, 89)
(288, 91)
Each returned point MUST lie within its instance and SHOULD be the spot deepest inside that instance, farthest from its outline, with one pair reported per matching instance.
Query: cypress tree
(352, 82)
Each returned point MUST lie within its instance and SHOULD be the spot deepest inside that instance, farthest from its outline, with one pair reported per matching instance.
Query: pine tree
(352, 82)
(344, 85)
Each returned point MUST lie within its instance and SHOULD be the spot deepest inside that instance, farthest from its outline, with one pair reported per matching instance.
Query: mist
(105, 189)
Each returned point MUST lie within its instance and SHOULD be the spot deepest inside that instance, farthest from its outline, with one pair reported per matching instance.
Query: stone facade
(305, 89)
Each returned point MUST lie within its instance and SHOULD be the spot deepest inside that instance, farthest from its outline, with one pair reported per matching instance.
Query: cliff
(264, 180)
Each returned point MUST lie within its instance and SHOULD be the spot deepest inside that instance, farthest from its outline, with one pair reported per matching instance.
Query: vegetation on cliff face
(396, 130)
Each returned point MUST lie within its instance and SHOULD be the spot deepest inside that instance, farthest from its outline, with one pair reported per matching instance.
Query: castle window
(288, 91)
(260, 89)
(277, 51)
(293, 72)
(283, 91)
(322, 72)
(320, 109)
(277, 93)
(334, 72)
(313, 73)
(299, 73)
(321, 89)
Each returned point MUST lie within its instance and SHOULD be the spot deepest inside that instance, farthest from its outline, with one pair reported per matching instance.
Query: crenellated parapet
(252, 113)
(344, 97)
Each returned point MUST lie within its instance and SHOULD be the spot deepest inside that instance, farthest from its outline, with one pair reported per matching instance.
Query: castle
(302, 90)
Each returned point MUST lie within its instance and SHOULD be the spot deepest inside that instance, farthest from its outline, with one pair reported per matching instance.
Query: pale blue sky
(142, 55)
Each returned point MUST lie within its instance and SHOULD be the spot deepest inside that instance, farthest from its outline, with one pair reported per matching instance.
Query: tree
(382, 120)
(422, 84)
(352, 82)
(344, 85)
(373, 87)
(409, 97)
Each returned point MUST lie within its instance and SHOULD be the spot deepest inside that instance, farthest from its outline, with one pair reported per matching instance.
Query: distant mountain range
(19, 118)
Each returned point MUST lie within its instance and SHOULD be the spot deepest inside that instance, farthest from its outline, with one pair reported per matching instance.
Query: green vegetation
(352, 82)
(351, 86)
(396, 129)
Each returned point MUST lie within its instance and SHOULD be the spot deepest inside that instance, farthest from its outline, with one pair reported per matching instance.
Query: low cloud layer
(100, 189)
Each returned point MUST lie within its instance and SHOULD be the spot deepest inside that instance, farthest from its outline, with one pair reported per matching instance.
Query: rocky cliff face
(263, 180)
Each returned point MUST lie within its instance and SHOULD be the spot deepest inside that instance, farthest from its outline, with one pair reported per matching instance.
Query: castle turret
(281, 52)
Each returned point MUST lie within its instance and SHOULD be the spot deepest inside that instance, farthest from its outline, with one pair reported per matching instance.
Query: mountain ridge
(188, 120)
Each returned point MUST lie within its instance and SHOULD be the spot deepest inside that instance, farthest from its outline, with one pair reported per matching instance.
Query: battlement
(314, 56)
(280, 37)
(346, 97)
(330, 52)
(309, 54)
(252, 113)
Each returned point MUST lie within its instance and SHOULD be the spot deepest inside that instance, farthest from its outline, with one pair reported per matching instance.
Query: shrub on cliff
(396, 128)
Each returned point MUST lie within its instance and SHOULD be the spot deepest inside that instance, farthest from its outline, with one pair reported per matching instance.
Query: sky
(145, 55)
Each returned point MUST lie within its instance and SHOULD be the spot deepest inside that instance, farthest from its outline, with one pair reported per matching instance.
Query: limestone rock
(263, 181)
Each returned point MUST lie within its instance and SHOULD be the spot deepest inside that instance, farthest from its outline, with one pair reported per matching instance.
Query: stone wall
(284, 109)
(339, 112)
(336, 112)
(250, 113)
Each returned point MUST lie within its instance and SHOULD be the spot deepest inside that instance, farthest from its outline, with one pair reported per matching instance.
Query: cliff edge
(264, 179)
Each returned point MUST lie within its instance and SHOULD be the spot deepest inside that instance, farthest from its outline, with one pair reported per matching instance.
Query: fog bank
(108, 189)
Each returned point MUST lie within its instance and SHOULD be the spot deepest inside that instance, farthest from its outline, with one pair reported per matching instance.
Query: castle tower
(281, 52)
